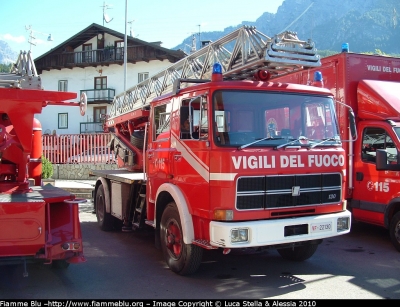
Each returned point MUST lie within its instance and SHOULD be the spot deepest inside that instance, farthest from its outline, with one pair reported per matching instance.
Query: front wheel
(394, 230)
(298, 253)
(183, 259)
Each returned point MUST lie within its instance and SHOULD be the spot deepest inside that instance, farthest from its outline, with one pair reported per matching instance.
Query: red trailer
(37, 223)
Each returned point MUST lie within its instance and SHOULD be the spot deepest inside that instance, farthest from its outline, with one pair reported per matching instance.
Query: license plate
(321, 227)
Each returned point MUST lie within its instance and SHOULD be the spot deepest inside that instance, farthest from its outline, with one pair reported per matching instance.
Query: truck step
(136, 225)
(204, 244)
(150, 223)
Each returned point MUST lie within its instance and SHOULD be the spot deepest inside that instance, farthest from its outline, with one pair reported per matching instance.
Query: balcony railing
(99, 95)
(98, 57)
(91, 127)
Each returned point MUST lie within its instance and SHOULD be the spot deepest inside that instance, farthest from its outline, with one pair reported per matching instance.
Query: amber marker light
(223, 215)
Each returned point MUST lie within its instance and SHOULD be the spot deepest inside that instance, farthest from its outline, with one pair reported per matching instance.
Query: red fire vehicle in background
(370, 84)
(213, 155)
(37, 223)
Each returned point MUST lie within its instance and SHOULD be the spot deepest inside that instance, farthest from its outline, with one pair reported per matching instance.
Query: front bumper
(272, 232)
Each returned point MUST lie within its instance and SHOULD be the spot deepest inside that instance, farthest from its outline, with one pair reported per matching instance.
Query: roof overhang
(378, 100)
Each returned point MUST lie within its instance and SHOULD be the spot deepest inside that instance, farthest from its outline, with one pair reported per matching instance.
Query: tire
(183, 259)
(59, 264)
(298, 253)
(394, 230)
(104, 219)
(137, 139)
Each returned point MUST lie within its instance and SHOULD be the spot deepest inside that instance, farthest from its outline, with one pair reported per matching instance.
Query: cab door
(373, 189)
(159, 147)
(191, 158)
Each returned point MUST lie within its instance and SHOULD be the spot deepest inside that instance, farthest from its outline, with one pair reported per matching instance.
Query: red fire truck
(37, 223)
(370, 85)
(214, 156)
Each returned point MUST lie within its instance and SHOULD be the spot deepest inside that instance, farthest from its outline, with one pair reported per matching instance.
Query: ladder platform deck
(120, 175)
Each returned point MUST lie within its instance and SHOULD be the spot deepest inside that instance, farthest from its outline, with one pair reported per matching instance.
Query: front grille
(271, 192)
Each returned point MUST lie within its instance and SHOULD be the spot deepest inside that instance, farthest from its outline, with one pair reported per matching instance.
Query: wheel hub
(173, 239)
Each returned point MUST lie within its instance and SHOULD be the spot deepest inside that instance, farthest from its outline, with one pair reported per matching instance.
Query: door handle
(177, 157)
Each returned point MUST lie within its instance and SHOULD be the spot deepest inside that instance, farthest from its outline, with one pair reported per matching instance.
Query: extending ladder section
(251, 51)
(22, 75)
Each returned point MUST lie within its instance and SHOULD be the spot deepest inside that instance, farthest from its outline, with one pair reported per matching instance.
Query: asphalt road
(359, 265)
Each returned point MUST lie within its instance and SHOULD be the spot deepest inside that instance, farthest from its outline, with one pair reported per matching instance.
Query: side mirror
(352, 122)
(381, 162)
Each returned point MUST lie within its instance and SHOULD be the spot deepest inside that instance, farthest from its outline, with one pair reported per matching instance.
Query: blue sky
(152, 20)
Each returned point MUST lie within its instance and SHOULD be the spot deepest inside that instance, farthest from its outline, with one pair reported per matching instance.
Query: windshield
(397, 130)
(272, 119)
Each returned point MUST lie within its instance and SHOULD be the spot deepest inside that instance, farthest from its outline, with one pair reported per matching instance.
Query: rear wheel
(183, 259)
(298, 253)
(394, 230)
(104, 219)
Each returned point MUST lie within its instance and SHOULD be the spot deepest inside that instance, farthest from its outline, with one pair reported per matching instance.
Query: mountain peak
(7, 55)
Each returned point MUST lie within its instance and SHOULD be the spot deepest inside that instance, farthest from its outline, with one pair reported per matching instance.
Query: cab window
(377, 138)
(161, 122)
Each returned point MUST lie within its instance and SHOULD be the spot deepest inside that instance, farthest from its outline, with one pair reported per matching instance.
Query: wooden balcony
(103, 57)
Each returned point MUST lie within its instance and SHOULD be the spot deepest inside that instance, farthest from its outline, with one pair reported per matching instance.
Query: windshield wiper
(259, 140)
(323, 141)
(301, 138)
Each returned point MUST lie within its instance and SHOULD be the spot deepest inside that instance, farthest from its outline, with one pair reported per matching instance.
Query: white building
(92, 62)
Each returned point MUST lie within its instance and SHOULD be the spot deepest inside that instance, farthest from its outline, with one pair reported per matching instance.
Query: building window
(62, 120)
(100, 83)
(119, 49)
(98, 112)
(63, 86)
(100, 86)
(87, 53)
(142, 76)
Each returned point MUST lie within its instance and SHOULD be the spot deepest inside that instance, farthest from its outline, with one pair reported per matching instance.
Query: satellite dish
(83, 104)
(107, 19)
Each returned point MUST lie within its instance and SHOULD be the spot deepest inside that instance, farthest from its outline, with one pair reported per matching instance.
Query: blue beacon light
(216, 72)
(318, 76)
(345, 47)
(318, 79)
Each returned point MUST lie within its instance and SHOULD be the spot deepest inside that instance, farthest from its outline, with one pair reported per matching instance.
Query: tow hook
(226, 251)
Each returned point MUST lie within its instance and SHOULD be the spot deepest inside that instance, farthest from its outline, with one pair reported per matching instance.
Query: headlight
(343, 223)
(239, 235)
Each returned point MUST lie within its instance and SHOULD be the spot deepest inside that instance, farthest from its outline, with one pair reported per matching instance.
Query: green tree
(5, 67)
(47, 168)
